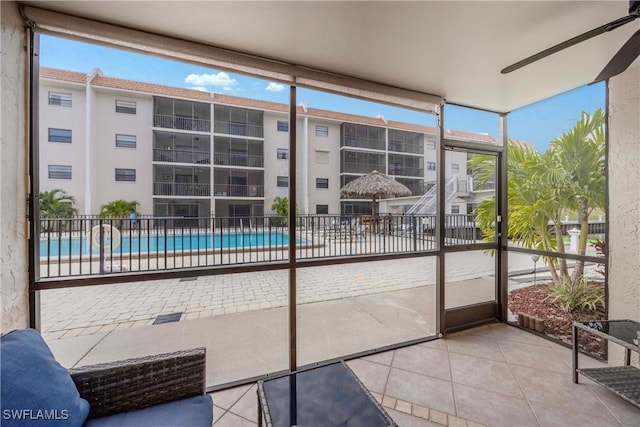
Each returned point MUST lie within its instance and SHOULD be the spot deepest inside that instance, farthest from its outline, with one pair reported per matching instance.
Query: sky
(538, 123)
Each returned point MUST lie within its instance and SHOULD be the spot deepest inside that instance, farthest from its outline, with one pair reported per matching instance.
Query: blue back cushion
(36, 390)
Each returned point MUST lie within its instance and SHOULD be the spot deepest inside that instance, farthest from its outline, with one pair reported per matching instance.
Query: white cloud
(220, 79)
(228, 89)
(200, 88)
(275, 87)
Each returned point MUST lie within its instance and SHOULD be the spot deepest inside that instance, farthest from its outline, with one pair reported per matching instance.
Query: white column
(624, 200)
(88, 172)
(305, 165)
(211, 163)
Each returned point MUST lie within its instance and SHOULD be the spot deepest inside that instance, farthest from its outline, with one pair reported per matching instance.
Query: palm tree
(581, 154)
(281, 206)
(119, 209)
(56, 203)
(567, 178)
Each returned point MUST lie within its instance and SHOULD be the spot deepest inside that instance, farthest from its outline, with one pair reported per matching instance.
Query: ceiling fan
(621, 60)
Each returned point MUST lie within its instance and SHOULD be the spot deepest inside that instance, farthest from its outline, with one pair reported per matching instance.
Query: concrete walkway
(72, 312)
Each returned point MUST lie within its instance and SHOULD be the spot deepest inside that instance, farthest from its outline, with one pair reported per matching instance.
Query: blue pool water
(161, 243)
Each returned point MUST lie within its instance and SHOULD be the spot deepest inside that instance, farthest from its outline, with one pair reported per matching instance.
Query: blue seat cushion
(192, 412)
(36, 389)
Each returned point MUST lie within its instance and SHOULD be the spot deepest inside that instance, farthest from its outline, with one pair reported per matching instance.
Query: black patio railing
(90, 245)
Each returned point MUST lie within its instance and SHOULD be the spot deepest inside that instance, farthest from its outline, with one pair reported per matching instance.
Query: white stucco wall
(106, 157)
(13, 166)
(624, 199)
(57, 153)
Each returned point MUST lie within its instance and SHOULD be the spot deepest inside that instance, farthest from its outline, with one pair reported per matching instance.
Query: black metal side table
(622, 380)
(328, 396)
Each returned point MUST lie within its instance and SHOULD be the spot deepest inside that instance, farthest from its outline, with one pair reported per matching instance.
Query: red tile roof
(196, 95)
(62, 75)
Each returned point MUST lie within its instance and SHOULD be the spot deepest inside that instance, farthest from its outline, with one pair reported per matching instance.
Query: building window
(322, 182)
(283, 126)
(128, 175)
(322, 131)
(59, 172)
(322, 209)
(60, 135)
(282, 154)
(431, 166)
(322, 157)
(455, 209)
(455, 168)
(125, 141)
(61, 99)
(283, 181)
(126, 107)
(431, 145)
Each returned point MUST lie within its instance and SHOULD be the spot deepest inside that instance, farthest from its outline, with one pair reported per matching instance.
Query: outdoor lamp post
(535, 259)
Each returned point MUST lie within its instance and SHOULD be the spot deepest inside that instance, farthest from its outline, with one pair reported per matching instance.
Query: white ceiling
(452, 49)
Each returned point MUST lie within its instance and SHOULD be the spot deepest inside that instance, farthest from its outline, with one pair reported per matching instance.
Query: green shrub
(579, 295)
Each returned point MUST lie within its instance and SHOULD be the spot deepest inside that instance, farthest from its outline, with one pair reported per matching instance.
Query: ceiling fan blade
(622, 59)
(571, 42)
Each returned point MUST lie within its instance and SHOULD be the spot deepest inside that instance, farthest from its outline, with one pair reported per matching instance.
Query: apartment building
(187, 153)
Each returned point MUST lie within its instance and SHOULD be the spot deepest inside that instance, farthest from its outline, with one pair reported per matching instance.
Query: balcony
(181, 123)
(181, 189)
(236, 190)
(181, 156)
(242, 129)
(406, 171)
(227, 159)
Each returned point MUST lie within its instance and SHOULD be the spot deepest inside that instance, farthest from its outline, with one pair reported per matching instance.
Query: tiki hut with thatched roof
(374, 185)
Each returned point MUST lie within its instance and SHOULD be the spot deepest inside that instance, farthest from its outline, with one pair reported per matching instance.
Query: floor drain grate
(167, 318)
(188, 279)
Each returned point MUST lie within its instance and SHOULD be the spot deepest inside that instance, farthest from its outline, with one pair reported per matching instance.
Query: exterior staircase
(426, 205)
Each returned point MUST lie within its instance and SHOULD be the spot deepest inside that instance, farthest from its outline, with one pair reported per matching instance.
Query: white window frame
(279, 180)
(282, 153)
(125, 175)
(322, 213)
(322, 131)
(126, 107)
(431, 166)
(126, 141)
(60, 99)
(60, 138)
(455, 168)
(322, 180)
(282, 126)
(60, 170)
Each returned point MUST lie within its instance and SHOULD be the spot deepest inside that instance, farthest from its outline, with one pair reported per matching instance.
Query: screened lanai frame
(345, 85)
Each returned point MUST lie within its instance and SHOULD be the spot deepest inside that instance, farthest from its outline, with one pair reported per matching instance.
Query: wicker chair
(112, 388)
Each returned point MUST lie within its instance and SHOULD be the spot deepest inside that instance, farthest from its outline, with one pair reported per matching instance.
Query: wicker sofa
(160, 390)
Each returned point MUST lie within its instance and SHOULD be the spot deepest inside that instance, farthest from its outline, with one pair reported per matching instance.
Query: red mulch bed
(533, 302)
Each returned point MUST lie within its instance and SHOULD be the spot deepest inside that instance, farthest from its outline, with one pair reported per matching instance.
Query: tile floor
(495, 375)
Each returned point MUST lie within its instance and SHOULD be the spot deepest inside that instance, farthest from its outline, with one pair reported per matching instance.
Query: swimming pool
(75, 246)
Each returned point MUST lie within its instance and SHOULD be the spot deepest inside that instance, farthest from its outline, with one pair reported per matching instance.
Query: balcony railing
(181, 156)
(180, 189)
(243, 129)
(231, 190)
(349, 167)
(182, 123)
(372, 144)
(227, 159)
(405, 147)
(419, 172)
